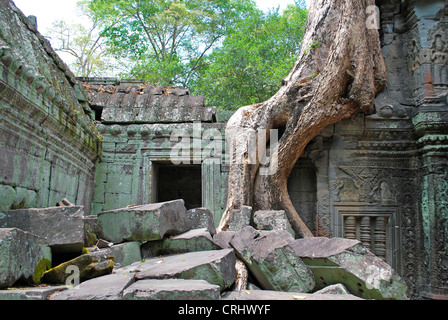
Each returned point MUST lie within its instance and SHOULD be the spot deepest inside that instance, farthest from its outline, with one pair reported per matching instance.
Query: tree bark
(337, 75)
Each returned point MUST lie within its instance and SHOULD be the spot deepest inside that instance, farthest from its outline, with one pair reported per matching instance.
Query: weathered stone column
(432, 128)
(428, 60)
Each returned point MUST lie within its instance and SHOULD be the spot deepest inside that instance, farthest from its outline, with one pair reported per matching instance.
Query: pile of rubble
(164, 252)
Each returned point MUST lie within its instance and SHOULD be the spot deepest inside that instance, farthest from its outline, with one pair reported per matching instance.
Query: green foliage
(83, 44)
(228, 50)
(167, 41)
(254, 58)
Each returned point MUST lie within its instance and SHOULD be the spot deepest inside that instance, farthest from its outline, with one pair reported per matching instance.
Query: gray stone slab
(143, 223)
(271, 259)
(337, 260)
(202, 218)
(191, 241)
(37, 293)
(266, 295)
(20, 255)
(272, 220)
(123, 254)
(223, 238)
(109, 287)
(333, 289)
(172, 289)
(61, 228)
(216, 267)
(240, 218)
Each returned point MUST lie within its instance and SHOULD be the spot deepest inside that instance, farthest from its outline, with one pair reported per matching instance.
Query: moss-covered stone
(40, 269)
(90, 266)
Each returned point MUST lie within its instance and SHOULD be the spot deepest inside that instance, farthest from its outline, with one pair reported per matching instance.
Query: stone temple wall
(48, 141)
(383, 178)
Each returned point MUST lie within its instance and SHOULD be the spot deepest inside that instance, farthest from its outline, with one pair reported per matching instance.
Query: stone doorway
(174, 182)
(302, 188)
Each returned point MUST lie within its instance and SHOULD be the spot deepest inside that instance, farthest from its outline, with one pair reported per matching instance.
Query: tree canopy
(167, 40)
(250, 65)
(228, 50)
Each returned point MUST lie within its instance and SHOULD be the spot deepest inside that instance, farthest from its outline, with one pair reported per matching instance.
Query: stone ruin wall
(48, 141)
(381, 178)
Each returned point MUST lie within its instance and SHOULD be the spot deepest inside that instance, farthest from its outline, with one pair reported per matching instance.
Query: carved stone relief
(439, 57)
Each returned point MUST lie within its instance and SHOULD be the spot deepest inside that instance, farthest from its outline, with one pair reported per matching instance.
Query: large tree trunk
(337, 75)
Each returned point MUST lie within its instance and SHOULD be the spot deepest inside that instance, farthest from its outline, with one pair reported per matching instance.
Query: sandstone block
(267, 295)
(37, 293)
(201, 218)
(337, 260)
(272, 260)
(240, 218)
(61, 228)
(172, 289)
(191, 241)
(22, 257)
(216, 267)
(86, 266)
(108, 287)
(143, 223)
(272, 220)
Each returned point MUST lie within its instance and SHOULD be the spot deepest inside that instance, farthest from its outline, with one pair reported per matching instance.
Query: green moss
(40, 269)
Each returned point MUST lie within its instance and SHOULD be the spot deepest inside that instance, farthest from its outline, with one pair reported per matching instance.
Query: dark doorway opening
(179, 182)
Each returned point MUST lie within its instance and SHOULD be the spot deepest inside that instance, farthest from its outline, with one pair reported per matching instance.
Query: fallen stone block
(172, 289)
(240, 218)
(272, 220)
(22, 257)
(333, 289)
(37, 293)
(84, 267)
(124, 253)
(61, 228)
(143, 223)
(191, 241)
(216, 267)
(272, 260)
(108, 287)
(266, 295)
(337, 260)
(201, 218)
(223, 239)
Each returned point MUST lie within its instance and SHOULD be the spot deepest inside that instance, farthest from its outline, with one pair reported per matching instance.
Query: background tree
(167, 41)
(84, 45)
(250, 65)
